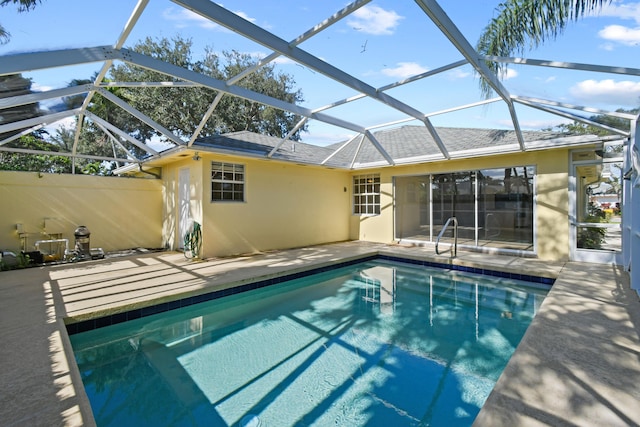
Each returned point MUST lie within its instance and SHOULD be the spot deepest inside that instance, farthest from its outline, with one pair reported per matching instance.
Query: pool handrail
(454, 247)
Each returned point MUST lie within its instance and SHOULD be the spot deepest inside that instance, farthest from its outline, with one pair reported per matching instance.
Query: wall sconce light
(196, 157)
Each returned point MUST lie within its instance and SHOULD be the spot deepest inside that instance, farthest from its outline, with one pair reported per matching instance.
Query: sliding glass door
(494, 207)
(413, 207)
(453, 195)
(505, 211)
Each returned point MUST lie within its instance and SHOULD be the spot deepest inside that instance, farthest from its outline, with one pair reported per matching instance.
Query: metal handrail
(454, 247)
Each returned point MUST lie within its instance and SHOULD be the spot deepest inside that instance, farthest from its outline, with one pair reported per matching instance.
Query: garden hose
(193, 241)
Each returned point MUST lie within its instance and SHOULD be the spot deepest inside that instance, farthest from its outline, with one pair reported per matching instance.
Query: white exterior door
(595, 204)
(184, 202)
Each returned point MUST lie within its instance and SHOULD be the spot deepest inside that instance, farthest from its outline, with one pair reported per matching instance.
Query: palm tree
(519, 24)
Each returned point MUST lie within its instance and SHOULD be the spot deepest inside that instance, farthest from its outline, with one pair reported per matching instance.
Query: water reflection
(375, 344)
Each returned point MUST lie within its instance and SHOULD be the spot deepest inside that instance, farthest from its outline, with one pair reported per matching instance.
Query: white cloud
(245, 16)
(627, 35)
(404, 70)
(617, 9)
(621, 34)
(36, 87)
(610, 92)
(282, 60)
(183, 18)
(374, 20)
(508, 73)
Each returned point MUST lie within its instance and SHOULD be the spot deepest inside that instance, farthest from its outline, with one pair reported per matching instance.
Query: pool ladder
(454, 247)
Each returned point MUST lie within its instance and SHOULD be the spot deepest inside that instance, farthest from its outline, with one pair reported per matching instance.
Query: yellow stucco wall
(553, 206)
(120, 213)
(552, 202)
(286, 206)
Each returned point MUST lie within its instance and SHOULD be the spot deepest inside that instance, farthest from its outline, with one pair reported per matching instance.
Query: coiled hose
(193, 241)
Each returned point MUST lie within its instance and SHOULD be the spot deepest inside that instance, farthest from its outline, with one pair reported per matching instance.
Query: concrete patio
(577, 365)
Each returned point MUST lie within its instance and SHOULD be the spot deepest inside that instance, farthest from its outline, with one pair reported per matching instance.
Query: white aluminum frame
(26, 62)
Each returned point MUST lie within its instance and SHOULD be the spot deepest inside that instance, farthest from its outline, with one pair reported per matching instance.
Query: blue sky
(383, 42)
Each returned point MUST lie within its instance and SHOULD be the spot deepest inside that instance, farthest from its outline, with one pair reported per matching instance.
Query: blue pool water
(371, 344)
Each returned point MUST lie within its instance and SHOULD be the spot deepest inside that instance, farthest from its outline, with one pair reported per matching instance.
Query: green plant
(193, 241)
(21, 261)
(24, 261)
(590, 237)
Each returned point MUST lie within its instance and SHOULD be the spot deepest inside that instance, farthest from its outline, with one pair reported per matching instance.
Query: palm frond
(526, 24)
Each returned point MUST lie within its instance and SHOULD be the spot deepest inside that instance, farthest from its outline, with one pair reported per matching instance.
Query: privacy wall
(120, 213)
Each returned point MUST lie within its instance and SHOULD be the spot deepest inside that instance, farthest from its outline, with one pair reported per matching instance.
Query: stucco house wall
(552, 197)
(289, 205)
(286, 205)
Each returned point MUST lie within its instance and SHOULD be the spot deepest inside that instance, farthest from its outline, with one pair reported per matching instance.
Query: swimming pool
(375, 343)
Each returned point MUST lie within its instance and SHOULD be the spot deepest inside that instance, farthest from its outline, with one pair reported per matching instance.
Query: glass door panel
(505, 207)
(598, 201)
(453, 195)
(412, 207)
(596, 231)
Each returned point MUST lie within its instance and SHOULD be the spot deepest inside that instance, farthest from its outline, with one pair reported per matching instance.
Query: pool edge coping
(102, 318)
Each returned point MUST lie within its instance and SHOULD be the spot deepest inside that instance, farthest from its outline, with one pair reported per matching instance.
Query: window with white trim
(366, 194)
(227, 182)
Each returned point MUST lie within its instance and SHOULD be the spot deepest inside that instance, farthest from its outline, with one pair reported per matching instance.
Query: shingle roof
(406, 144)
(254, 144)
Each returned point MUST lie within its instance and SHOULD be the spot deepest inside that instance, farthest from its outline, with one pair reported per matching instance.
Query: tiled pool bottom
(377, 343)
(113, 319)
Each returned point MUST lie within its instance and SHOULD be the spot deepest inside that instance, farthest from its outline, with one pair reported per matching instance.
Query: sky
(383, 42)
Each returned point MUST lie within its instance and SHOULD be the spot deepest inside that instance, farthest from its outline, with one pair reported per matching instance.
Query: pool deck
(577, 365)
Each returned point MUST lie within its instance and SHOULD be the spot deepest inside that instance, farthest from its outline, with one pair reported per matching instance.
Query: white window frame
(225, 169)
(366, 195)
